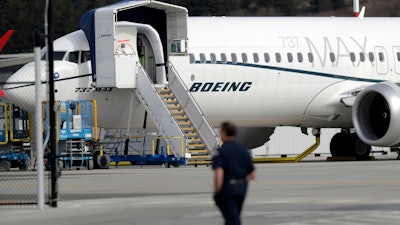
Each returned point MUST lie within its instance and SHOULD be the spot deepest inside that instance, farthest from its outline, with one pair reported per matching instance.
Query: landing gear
(346, 144)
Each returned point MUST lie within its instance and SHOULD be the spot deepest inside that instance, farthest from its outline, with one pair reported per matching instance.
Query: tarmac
(311, 192)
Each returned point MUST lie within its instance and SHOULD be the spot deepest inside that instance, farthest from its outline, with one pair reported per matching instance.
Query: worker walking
(232, 167)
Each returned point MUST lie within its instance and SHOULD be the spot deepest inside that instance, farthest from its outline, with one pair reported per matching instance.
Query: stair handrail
(152, 89)
(203, 126)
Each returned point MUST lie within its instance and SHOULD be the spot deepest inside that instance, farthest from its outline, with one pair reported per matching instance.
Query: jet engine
(376, 114)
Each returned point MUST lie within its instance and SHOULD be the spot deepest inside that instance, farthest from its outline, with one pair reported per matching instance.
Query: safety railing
(168, 149)
(194, 112)
(156, 108)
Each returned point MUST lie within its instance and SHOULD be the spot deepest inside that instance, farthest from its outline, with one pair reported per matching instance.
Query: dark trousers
(230, 201)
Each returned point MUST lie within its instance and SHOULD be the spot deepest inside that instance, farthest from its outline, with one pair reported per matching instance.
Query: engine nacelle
(376, 115)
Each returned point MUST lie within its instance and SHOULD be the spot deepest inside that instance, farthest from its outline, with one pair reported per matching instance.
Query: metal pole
(356, 8)
(53, 143)
(128, 129)
(38, 125)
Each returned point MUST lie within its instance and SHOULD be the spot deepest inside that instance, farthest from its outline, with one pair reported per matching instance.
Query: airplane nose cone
(20, 87)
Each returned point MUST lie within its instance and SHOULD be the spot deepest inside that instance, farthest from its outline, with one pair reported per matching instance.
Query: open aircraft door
(114, 48)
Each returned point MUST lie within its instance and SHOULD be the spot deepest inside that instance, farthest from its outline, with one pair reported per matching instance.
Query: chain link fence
(18, 162)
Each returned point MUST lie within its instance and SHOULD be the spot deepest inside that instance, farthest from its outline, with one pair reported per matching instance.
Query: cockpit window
(57, 56)
(73, 57)
(85, 56)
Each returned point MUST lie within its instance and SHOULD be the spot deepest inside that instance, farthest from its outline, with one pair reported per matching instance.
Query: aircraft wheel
(340, 145)
(361, 150)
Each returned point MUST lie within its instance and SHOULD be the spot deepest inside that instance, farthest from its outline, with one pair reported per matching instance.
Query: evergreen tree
(24, 16)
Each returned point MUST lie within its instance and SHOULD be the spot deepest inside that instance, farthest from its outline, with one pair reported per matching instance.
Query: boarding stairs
(176, 114)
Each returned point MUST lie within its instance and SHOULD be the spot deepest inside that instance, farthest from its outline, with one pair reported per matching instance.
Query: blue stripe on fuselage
(295, 71)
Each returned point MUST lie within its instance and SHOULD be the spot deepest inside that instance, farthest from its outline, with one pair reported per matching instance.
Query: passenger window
(244, 57)
(381, 56)
(371, 56)
(362, 57)
(299, 57)
(256, 58)
(213, 58)
(290, 57)
(202, 58)
(234, 58)
(332, 56)
(85, 56)
(266, 57)
(72, 57)
(310, 57)
(192, 59)
(278, 57)
(223, 58)
(352, 56)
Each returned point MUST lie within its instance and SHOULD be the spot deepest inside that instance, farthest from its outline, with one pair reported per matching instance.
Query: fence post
(38, 124)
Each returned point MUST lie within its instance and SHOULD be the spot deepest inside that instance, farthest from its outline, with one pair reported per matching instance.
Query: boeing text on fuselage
(220, 86)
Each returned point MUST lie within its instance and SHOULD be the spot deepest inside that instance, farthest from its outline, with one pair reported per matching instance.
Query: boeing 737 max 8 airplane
(260, 72)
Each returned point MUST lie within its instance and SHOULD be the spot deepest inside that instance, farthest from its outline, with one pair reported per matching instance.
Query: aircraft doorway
(150, 52)
(146, 57)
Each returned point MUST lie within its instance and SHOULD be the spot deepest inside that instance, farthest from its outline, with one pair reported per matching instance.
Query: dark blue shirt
(234, 159)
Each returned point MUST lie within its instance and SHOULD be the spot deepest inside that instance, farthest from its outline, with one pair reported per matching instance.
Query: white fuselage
(258, 72)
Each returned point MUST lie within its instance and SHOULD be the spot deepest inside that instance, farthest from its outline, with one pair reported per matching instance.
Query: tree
(24, 16)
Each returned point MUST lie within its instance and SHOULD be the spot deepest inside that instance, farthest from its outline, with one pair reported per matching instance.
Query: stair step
(188, 129)
(198, 145)
(201, 157)
(174, 106)
(185, 123)
(164, 90)
(168, 96)
(199, 152)
(192, 134)
(171, 101)
(199, 162)
(177, 112)
(181, 117)
(191, 140)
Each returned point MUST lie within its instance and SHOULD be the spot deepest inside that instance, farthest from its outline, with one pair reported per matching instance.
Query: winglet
(4, 39)
(362, 12)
